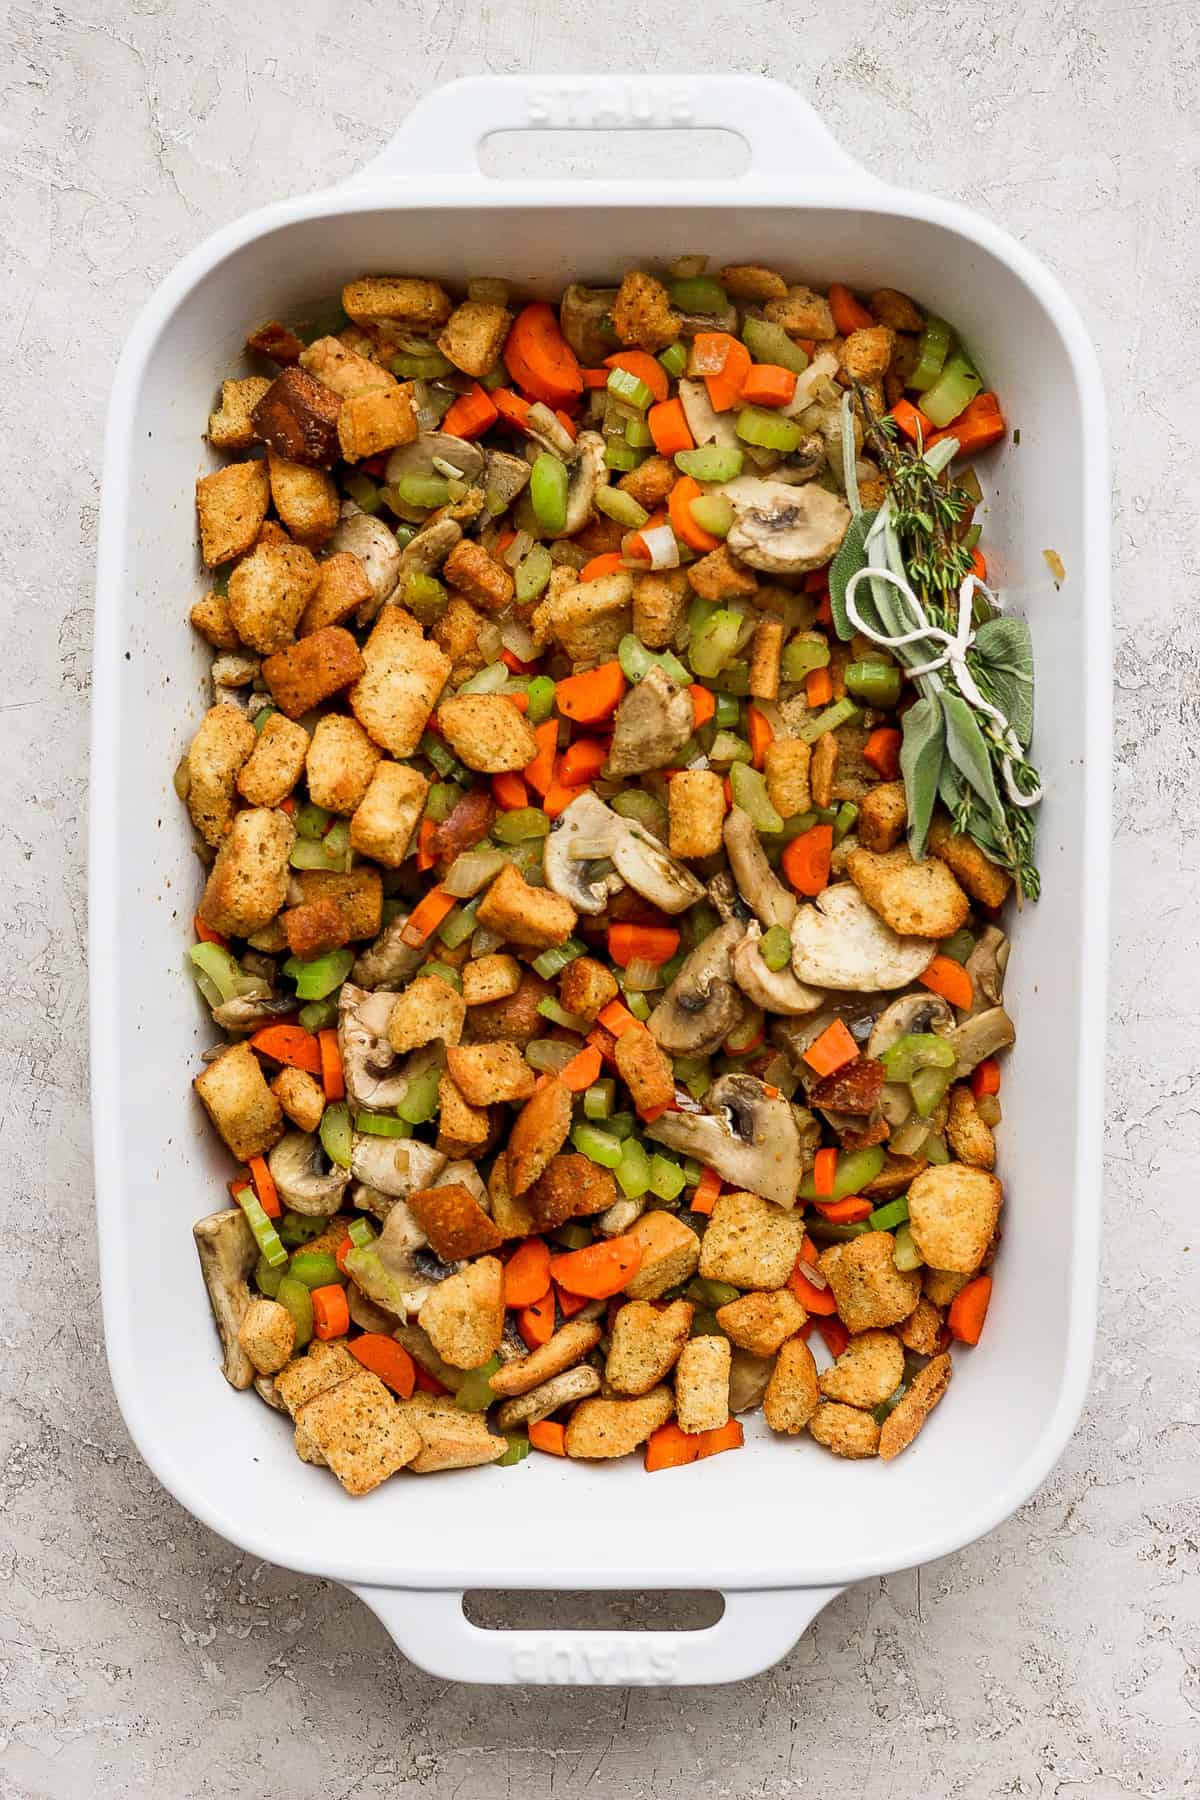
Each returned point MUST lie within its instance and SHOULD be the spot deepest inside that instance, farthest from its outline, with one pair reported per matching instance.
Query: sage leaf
(922, 753)
(968, 751)
(849, 560)
(1002, 658)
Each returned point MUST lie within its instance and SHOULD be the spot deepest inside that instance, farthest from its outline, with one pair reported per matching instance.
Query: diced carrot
(679, 510)
(427, 1383)
(557, 798)
(725, 384)
(599, 1269)
(729, 1436)
(540, 772)
(569, 1304)
(616, 1018)
(594, 378)
(536, 1321)
(845, 1212)
(426, 916)
(333, 1079)
(948, 978)
(539, 358)
(825, 615)
(704, 707)
(641, 943)
(882, 751)
(472, 414)
(527, 1273)
(806, 860)
(976, 427)
(509, 791)
(912, 421)
(824, 1171)
(582, 1070)
(426, 837)
(511, 407)
(670, 1447)
(848, 314)
(263, 1183)
(582, 761)
(708, 1189)
(669, 428)
(567, 422)
(288, 804)
(331, 1314)
(592, 696)
(647, 368)
(520, 701)
(834, 1333)
(289, 1044)
(767, 384)
(968, 1310)
(978, 565)
(985, 1078)
(762, 734)
(205, 935)
(817, 581)
(831, 1051)
(812, 1298)
(818, 687)
(611, 563)
(513, 663)
(385, 1358)
(547, 1435)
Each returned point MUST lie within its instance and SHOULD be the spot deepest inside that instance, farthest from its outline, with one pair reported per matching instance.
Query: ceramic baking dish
(782, 1527)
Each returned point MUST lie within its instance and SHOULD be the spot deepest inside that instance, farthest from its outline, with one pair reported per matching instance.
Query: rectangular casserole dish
(781, 1528)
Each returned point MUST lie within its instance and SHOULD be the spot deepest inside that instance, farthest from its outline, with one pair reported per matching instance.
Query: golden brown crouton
(645, 1069)
(867, 1372)
(512, 1215)
(765, 656)
(487, 732)
(457, 632)
(429, 1008)
(386, 816)
(589, 618)
(342, 587)
(660, 601)
(969, 1136)
(464, 1315)
(940, 1285)
(802, 314)
(231, 504)
(702, 1384)
(649, 484)
(223, 742)
(642, 313)
(403, 676)
(239, 1102)
(450, 1437)
(274, 765)
(670, 1253)
(696, 806)
(454, 1222)
(360, 1430)
(882, 816)
(325, 1364)
(896, 309)
(490, 978)
(865, 354)
(231, 427)
(315, 669)
(534, 918)
(751, 1242)
(276, 341)
(868, 1287)
(267, 1333)
(297, 416)
(371, 423)
(915, 899)
(906, 1419)
(922, 1330)
(822, 770)
(570, 1187)
(343, 372)
(569, 1345)
(750, 281)
(605, 1428)
(463, 1130)
(584, 986)
(473, 336)
(760, 1322)
(306, 499)
(513, 1020)
(538, 1134)
(977, 873)
(313, 928)
(792, 1394)
(844, 1429)
(301, 1097)
(952, 1213)
(357, 895)
(210, 617)
(268, 591)
(484, 581)
(720, 576)
(400, 299)
(488, 1074)
(248, 883)
(340, 762)
(787, 764)
(644, 1344)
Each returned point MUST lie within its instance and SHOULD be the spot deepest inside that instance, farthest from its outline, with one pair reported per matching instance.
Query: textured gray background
(138, 1654)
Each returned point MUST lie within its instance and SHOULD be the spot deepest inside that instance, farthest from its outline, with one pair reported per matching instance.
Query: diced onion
(490, 641)
(813, 1274)
(642, 977)
(485, 941)
(660, 541)
(547, 1055)
(710, 359)
(515, 635)
(450, 470)
(820, 371)
(588, 849)
(488, 681)
(427, 415)
(472, 871)
(520, 546)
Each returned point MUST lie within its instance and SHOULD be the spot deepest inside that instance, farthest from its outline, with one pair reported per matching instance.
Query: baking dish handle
(443, 132)
(757, 1627)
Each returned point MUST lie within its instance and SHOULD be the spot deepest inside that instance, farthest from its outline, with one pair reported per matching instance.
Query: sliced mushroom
(981, 1036)
(387, 962)
(748, 1378)
(388, 1271)
(297, 1165)
(548, 431)
(986, 966)
(701, 1006)
(749, 1138)
(374, 1079)
(618, 1217)
(583, 314)
(227, 1251)
(653, 723)
(775, 990)
(506, 477)
(706, 425)
(431, 448)
(376, 548)
(924, 1012)
(589, 471)
(419, 1345)
(426, 552)
(264, 1387)
(725, 896)
(782, 529)
(245, 1012)
(760, 887)
(540, 1402)
(726, 320)
(587, 822)
(803, 463)
(840, 943)
(366, 1314)
(465, 1174)
(395, 1167)
(651, 870)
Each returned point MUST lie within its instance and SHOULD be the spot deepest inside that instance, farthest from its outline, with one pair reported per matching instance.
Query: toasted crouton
(297, 416)
(379, 420)
(584, 986)
(386, 816)
(644, 1344)
(274, 765)
(484, 581)
(868, 1287)
(751, 281)
(792, 1394)
(915, 899)
(464, 1315)
(231, 505)
(403, 675)
(538, 1134)
(511, 1213)
(865, 354)
(569, 1345)
(645, 1069)
(906, 1419)
(222, 744)
(315, 669)
(696, 807)
(342, 372)
(305, 498)
(268, 591)
(765, 658)
(893, 308)
(490, 978)
(720, 576)
(473, 336)
(339, 764)
(457, 632)
(969, 1136)
(231, 427)
(760, 1322)
(514, 1019)
(356, 897)
(450, 1437)
(670, 1253)
(323, 1366)
(868, 1370)
(660, 600)
(342, 587)
(248, 883)
(702, 1384)
(487, 1074)
(569, 1187)
(940, 1285)
(802, 314)
(487, 732)
(454, 1222)
(301, 1097)
(429, 1008)
(360, 1430)
(787, 764)
(239, 1102)
(399, 299)
(977, 873)
(642, 313)
(267, 1334)
(952, 1213)
(532, 917)
(589, 618)
(276, 341)
(823, 769)
(649, 484)
(922, 1330)
(463, 1129)
(751, 1242)
(605, 1428)
(882, 817)
(210, 617)
(844, 1429)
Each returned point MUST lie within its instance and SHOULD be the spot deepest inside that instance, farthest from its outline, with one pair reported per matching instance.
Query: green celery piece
(801, 657)
(768, 343)
(296, 1229)
(267, 1277)
(929, 1087)
(699, 294)
(269, 1242)
(532, 574)
(518, 1450)
(548, 491)
(775, 948)
(954, 389)
(298, 1301)
(336, 1132)
(842, 712)
(711, 462)
(933, 346)
(315, 1268)
(419, 1102)
(765, 429)
(475, 1391)
(885, 1218)
(520, 825)
(600, 1098)
(382, 1125)
(633, 1169)
(320, 975)
(630, 388)
(712, 1293)
(597, 1145)
(713, 644)
(750, 793)
(905, 1254)
(361, 1233)
(553, 961)
(674, 359)
(914, 1051)
(667, 1179)
(874, 683)
(855, 1168)
(541, 699)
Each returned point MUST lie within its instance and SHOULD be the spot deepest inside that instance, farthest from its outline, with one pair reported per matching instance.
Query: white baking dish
(781, 1527)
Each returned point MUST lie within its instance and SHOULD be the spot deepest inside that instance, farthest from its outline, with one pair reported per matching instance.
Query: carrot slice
(205, 935)
(539, 358)
(968, 1310)
(641, 943)
(547, 1435)
(979, 565)
(594, 378)
(616, 1018)
(569, 1304)
(582, 1070)
(582, 761)
(724, 379)
(831, 1051)
(670, 1447)
(527, 1273)
(806, 860)
(536, 1322)
(611, 563)
(977, 426)
(768, 384)
(818, 687)
(592, 696)
(948, 978)
(845, 1212)
(912, 421)
(387, 1359)
(472, 414)
(333, 1079)
(834, 1334)
(704, 707)
(558, 798)
(509, 791)
(426, 837)
(289, 1044)
(824, 1170)
(263, 1183)
(986, 1078)
(540, 772)
(669, 428)
(331, 1314)
(882, 751)
(812, 1298)
(707, 1191)
(600, 1269)
(426, 916)
(729, 1436)
(848, 314)
(647, 368)
(679, 511)
(511, 408)
(761, 735)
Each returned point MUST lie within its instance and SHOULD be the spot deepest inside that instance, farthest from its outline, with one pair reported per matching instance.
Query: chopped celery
(636, 803)
(704, 1323)
(823, 1232)
(633, 1170)
(598, 1146)
(445, 973)
(727, 748)
(320, 975)
(312, 821)
(958, 947)
(884, 1218)
(881, 1412)
(905, 1254)
(337, 1136)
(574, 1235)
(361, 1233)
(874, 683)
(713, 513)
(775, 948)
(616, 504)
(929, 1087)
(935, 1148)
(769, 343)
(382, 1125)
(262, 715)
(932, 348)
(267, 1277)
(674, 359)
(323, 855)
(620, 1125)
(425, 596)
(855, 1168)
(541, 699)
(750, 793)
(760, 426)
(711, 1293)
(218, 973)
(532, 573)
(548, 492)
(363, 491)
(638, 434)
(421, 368)
(620, 455)
(842, 712)
(423, 490)
(667, 1179)
(735, 676)
(497, 376)
(711, 462)
(699, 294)
(600, 1099)
(693, 1171)
(914, 1051)
(955, 388)
(518, 826)
(441, 800)
(488, 680)
(630, 388)
(636, 661)
(475, 1390)
(458, 925)
(419, 1102)
(319, 1015)
(801, 657)
(846, 820)
(442, 758)
(557, 1014)
(638, 1005)
(551, 962)
(714, 643)
(315, 1268)
(518, 1450)
(298, 1301)
(729, 712)
(694, 1074)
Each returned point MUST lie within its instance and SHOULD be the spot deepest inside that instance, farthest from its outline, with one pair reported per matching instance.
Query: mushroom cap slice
(981, 1035)
(840, 943)
(653, 723)
(749, 1138)
(245, 1012)
(582, 313)
(757, 881)
(394, 1166)
(701, 1006)
(588, 472)
(374, 1079)
(775, 990)
(387, 1271)
(705, 424)
(585, 821)
(923, 1012)
(417, 457)
(651, 870)
(429, 549)
(387, 962)
(506, 477)
(227, 1251)
(782, 529)
(297, 1165)
(377, 550)
(986, 966)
